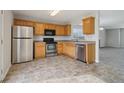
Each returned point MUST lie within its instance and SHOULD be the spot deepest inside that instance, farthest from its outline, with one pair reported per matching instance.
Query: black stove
(51, 49)
(49, 40)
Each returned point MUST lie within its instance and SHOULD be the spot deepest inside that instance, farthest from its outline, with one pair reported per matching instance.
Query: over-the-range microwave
(49, 32)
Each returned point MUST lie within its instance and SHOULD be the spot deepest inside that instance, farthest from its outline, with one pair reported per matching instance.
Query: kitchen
(42, 49)
(53, 39)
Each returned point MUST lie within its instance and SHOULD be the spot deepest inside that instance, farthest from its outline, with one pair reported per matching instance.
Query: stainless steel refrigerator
(22, 47)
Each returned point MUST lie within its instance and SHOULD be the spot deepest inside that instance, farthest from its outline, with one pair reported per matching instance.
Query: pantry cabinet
(39, 50)
(39, 29)
(88, 25)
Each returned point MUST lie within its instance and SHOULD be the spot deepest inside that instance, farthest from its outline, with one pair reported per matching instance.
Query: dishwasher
(81, 55)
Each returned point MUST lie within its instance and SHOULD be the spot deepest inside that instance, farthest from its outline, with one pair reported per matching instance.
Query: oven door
(50, 48)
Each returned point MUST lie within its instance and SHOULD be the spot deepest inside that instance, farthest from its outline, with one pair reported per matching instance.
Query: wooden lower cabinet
(69, 49)
(60, 48)
(90, 53)
(66, 48)
(39, 50)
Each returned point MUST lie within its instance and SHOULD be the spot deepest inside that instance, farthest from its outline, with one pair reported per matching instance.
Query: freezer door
(22, 32)
(22, 50)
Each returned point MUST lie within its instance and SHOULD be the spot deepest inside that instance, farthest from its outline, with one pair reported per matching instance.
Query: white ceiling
(63, 17)
(107, 17)
(112, 18)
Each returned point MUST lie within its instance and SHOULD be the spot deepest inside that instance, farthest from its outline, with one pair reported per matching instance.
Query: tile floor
(62, 69)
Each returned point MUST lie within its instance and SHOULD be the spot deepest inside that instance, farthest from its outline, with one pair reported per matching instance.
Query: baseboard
(4, 75)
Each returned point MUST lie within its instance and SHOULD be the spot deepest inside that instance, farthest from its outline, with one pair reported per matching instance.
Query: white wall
(7, 23)
(102, 38)
(122, 37)
(0, 44)
(113, 37)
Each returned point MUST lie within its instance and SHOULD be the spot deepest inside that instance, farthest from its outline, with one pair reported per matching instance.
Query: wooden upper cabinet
(88, 25)
(68, 30)
(60, 31)
(20, 22)
(50, 26)
(39, 29)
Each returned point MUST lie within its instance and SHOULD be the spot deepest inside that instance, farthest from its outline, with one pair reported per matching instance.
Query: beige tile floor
(62, 69)
(50, 69)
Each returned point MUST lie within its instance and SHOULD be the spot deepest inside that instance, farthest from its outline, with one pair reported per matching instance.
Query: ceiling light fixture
(54, 12)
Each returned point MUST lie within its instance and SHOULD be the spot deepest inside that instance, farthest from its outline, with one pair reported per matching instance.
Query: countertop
(76, 42)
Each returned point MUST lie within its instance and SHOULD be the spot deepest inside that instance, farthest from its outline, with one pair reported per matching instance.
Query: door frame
(1, 45)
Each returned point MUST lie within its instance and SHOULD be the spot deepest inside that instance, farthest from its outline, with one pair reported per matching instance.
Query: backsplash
(89, 37)
(40, 38)
(86, 37)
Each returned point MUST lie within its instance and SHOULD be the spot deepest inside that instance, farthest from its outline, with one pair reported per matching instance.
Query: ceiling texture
(63, 17)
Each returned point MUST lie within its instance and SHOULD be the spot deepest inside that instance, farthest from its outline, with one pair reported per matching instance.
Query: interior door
(1, 46)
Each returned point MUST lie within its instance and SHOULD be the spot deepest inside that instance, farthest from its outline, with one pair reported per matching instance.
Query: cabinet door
(64, 48)
(20, 22)
(68, 30)
(50, 26)
(88, 25)
(72, 51)
(39, 50)
(90, 53)
(60, 48)
(60, 31)
(39, 29)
